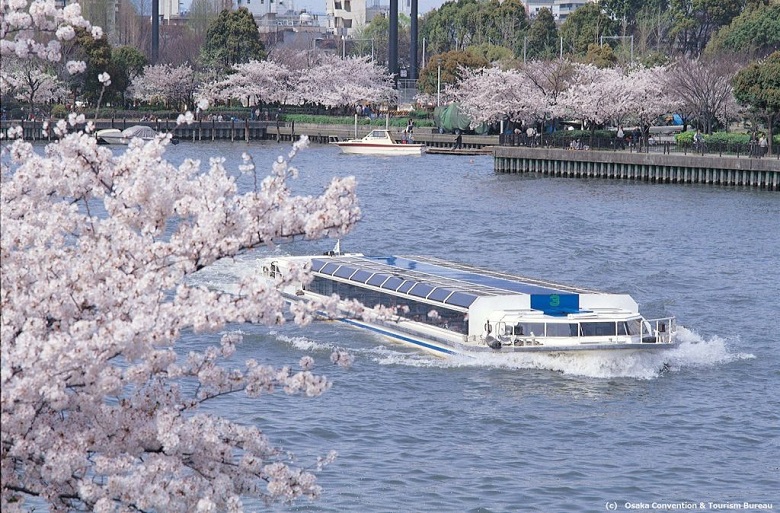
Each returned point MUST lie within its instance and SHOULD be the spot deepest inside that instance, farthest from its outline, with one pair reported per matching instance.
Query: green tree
(600, 56)
(233, 38)
(458, 25)
(377, 34)
(512, 25)
(755, 32)
(694, 22)
(438, 28)
(127, 63)
(584, 27)
(96, 53)
(758, 87)
(625, 12)
(451, 64)
(543, 37)
(491, 53)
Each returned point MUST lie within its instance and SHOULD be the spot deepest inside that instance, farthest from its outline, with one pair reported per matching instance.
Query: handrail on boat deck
(663, 330)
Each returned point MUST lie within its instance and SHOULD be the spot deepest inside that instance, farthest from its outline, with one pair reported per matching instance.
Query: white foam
(302, 343)
(693, 352)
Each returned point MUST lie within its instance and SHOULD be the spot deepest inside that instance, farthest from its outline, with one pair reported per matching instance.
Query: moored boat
(450, 308)
(379, 142)
(116, 136)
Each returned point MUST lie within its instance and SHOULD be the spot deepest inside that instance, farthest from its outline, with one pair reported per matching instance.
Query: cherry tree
(336, 82)
(703, 87)
(649, 96)
(30, 82)
(98, 253)
(164, 83)
(597, 96)
(253, 82)
(491, 94)
(549, 79)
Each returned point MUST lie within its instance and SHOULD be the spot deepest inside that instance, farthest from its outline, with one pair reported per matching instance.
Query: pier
(724, 170)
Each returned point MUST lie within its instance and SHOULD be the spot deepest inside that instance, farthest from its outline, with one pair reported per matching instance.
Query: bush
(59, 111)
(719, 138)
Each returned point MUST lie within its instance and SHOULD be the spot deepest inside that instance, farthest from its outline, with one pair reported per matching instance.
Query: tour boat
(450, 308)
(379, 142)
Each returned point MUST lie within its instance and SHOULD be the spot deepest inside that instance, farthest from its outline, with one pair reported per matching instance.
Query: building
(346, 16)
(560, 8)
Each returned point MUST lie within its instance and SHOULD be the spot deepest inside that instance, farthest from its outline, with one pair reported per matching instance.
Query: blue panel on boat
(463, 299)
(467, 276)
(440, 294)
(345, 271)
(329, 268)
(556, 304)
(362, 276)
(378, 279)
(407, 285)
(393, 283)
(421, 290)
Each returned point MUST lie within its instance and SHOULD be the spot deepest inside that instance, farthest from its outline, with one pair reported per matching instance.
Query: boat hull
(360, 148)
(450, 348)
(111, 136)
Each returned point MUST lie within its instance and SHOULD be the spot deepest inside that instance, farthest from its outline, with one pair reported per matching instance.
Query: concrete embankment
(649, 167)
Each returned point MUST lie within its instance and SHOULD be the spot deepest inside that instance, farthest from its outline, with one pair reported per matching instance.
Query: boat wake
(693, 352)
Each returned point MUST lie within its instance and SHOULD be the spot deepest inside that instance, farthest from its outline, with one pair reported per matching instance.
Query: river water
(695, 428)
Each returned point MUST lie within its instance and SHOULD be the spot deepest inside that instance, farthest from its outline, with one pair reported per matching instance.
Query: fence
(739, 150)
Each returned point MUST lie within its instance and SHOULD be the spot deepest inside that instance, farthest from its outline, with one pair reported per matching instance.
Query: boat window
(440, 294)
(329, 268)
(528, 329)
(406, 286)
(561, 329)
(417, 310)
(630, 327)
(345, 271)
(378, 279)
(317, 264)
(361, 276)
(598, 329)
(463, 299)
(392, 283)
(421, 290)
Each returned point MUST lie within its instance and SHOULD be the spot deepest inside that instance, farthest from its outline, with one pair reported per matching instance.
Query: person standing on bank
(620, 143)
(762, 145)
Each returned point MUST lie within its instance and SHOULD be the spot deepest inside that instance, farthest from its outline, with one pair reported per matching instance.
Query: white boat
(379, 142)
(450, 308)
(116, 136)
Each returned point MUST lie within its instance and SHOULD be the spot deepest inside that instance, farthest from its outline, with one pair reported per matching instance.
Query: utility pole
(392, 46)
(155, 30)
(413, 42)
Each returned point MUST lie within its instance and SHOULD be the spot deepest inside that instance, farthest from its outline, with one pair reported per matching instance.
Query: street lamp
(438, 86)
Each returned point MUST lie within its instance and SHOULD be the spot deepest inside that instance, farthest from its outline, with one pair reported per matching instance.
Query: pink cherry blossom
(97, 254)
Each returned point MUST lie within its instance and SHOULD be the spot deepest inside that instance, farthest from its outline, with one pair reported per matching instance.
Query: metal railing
(739, 150)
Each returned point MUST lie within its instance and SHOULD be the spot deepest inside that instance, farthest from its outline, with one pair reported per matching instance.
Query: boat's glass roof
(433, 279)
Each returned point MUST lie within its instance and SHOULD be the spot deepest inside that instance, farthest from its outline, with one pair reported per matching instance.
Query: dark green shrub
(59, 111)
